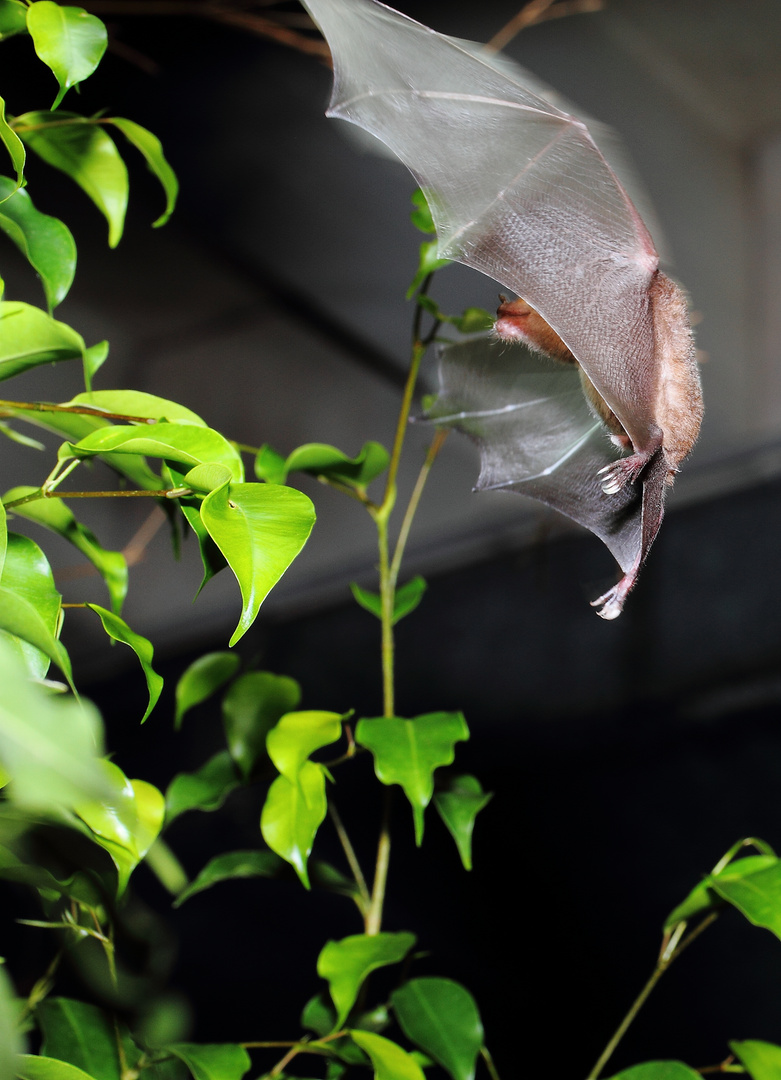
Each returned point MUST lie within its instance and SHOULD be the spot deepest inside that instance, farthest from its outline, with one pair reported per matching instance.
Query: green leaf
(3, 537)
(319, 1015)
(389, 1060)
(658, 1070)
(407, 598)
(458, 804)
(49, 745)
(13, 18)
(442, 1018)
(297, 735)
(250, 709)
(94, 359)
(183, 443)
(407, 752)
(421, 216)
(151, 148)
(474, 320)
(45, 1068)
(212, 1062)
(30, 606)
(757, 895)
(84, 152)
(207, 477)
(201, 679)
(29, 337)
(81, 1034)
(119, 630)
(54, 514)
(206, 789)
(212, 558)
(18, 437)
(45, 241)
(259, 528)
(136, 403)
(229, 867)
(761, 1059)
(428, 262)
(68, 40)
(8, 136)
(346, 963)
(704, 897)
(320, 459)
(12, 1041)
(292, 814)
(270, 466)
(125, 824)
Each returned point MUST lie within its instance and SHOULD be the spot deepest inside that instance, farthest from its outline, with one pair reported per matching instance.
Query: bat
(519, 190)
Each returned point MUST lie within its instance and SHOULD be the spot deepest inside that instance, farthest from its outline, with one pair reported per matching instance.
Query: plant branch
(412, 505)
(374, 915)
(349, 852)
(489, 1063)
(10, 408)
(537, 11)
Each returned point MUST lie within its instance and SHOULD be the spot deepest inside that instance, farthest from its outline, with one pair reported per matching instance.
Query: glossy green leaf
(442, 1018)
(704, 897)
(29, 337)
(136, 403)
(757, 895)
(202, 679)
(84, 152)
(658, 1070)
(81, 1034)
(54, 514)
(259, 528)
(11, 140)
(270, 466)
(49, 745)
(45, 1068)
(30, 606)
(151, 148)
(94, 358)
(45, 241)
(390, 1061)
(761, 1059)
(407, 598)
(119, 630)
(206, 789)
(407, 752)
(212, 1062)
(183, 443)
(250, 709)
(212, 558)
(68, 40)
(320, 459)
(346, 963)
(229, 867)
(297, 735)
(13, 18)
(292, 814)
(126, 823)
(12, 1041)
(207, 477)
(459, 803)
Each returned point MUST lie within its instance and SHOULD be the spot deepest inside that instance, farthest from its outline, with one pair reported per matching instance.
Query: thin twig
(412, 505)
(489, 1063)
(374, 914)
(349, 852)
(537, 11)
(10, 408)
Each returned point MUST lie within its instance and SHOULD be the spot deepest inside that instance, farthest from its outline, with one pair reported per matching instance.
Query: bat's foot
(622, 472)
(611, 604)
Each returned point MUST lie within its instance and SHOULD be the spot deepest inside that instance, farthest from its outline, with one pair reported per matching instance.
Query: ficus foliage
(55, 768)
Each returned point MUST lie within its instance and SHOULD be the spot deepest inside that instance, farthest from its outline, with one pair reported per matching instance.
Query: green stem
(489, 1063)
(34, 496)
(412, 505)
(374, 914)
(349, 852)
(13, 407)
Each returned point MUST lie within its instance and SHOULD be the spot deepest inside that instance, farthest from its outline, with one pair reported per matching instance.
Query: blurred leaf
(94, 359)
(215, 1062)
(49, 745)
(421, 216)
(8, 136)
(761, 1059)
(232, 865)
(389, 1060)
(206, 789)
(442, 1018)
(407, 598)
(292, 814)
(346, 963)
(270, 466)
(260, 529)
(18, 437)
(183, 443)
(320, 459)
(458, 804)
(319, 1015)
(12, 1041)
(757, 895)
(44, 1068)
(83, 1035)
(84, 152)
(30, 338)
(13, 18)
(54, 514)
(250, 709)
(68, 40)
(3, 537)
(45, 241)
(474, 320)
(201, 679)
(137, 403)
(407, 752)
(297, 735)
(658, 1070)
(704, 897)
(119, 630)
(127, 822)
(151, 148)
(428, 262)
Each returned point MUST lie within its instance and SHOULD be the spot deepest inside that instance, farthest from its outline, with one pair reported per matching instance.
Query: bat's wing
(517, 189)
(537, 437)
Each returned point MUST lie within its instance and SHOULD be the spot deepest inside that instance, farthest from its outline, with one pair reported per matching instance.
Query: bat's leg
(627, 469)
(654, 484)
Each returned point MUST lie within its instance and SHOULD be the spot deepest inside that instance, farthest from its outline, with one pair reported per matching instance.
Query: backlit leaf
(250, 709)
(29, 337)
(30, 606)
(229, 867)
(761, 1059)
(68, 40)
(206, 789)
(13, 18)
(458, 804)
(45, 1068)
(183, 443)
(390, 1061)
(320, 459)
(137, 403)
(81, 1034)
(346, 963)
(151, 148)
(8, 136)
(442, 1018)
(202, 678)
(12, 1041)
(704, 897)
(212, 1062)
(292, 814)
(119, 630)
(297, 735)
(45, 241)
(757, 895)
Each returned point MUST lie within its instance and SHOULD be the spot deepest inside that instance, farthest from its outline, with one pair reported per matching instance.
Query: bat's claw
(610, 605)
(622, 472)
